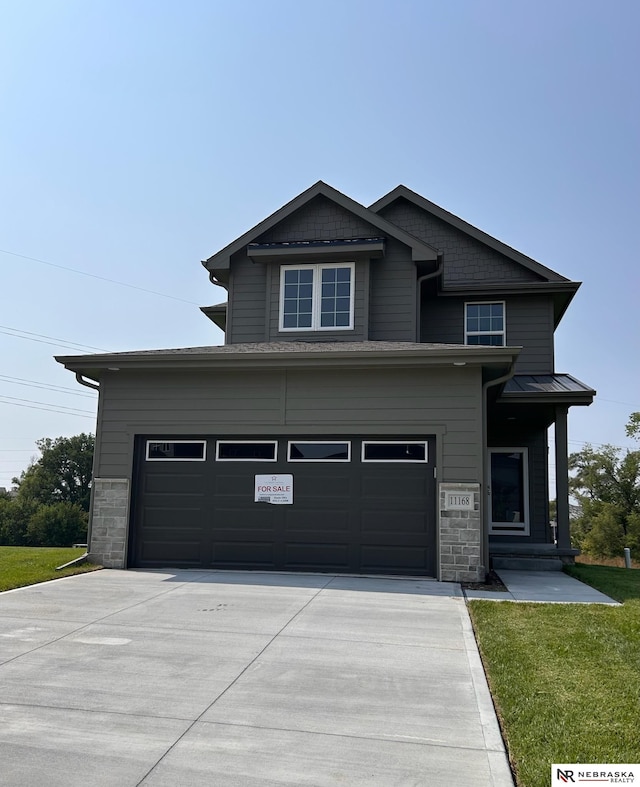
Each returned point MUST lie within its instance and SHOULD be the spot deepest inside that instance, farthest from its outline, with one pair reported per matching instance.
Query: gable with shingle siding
(466, 260)
(319, 219)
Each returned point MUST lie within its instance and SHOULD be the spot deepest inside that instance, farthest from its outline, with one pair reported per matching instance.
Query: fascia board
(469, 229)
(557, 397)
(94, 367)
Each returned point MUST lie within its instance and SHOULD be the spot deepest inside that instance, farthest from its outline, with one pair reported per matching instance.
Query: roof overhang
(217, 314)
(562, 389)
(294, 355)
(562, 292)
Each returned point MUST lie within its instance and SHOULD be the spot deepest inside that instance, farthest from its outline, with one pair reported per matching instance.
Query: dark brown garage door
(360, 505)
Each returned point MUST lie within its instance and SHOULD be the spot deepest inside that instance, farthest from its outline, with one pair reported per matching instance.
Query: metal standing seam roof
(522, 386)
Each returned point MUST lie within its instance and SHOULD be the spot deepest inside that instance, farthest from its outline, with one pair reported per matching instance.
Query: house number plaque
(458, 501)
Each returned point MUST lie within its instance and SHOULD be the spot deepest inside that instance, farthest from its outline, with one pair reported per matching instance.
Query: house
(380, 405)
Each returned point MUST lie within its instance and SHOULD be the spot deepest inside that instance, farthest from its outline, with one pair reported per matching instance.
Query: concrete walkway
(548, 587)
(196, 678)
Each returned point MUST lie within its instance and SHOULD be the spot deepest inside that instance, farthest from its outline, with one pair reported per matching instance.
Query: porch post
(562, 479)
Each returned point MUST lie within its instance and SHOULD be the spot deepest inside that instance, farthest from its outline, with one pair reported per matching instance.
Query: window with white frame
(509, 491)
(176, 450)
(316, 297)
(484, 323)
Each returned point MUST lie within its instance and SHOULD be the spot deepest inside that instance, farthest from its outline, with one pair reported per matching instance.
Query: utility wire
(100, 278)
(67, 345)
(60, 407)
(49, 409)
(44, 386)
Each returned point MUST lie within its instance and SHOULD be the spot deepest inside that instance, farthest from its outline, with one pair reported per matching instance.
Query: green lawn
(20, 566)
(565, 678)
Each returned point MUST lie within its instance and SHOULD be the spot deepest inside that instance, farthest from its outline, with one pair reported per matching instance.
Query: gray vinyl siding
(360, 308)
(392, 314)
(529, 325)
(445, 402)
(510, 435)
(466, 260)
(247, 302)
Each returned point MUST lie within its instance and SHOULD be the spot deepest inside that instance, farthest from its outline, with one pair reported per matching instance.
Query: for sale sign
(276, 489)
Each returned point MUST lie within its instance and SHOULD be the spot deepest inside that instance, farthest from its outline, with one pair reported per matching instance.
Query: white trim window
(176, 450)
(318, 451)
(246, 450)
(509, 491)
(485, 323)
(317, 297)
(395, 451)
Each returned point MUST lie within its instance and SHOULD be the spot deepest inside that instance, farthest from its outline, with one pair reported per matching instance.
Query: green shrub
(57, 525)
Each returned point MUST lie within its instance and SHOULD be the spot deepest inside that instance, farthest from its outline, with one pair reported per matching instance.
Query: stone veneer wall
(109, 522)
(460, 537)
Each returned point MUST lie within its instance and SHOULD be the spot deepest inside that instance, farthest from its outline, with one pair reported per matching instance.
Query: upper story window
(484, 323)
(316, 297)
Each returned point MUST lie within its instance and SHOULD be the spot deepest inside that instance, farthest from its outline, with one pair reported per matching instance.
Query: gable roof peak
(402, 192)
(419, 249)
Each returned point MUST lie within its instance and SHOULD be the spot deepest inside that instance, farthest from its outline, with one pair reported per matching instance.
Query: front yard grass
(565, 678)
(20, 566)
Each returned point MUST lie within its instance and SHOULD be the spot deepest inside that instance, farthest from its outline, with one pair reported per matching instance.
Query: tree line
(49, 504)
(606, 484)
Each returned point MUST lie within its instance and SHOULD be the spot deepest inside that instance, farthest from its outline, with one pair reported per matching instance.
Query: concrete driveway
(180, 678)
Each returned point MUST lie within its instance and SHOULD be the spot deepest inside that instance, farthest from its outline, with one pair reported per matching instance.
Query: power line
(100, 278)
(47, 410)
(616, 401)
(48, 404)
(45, 386)
(51, 408)
(59, 342)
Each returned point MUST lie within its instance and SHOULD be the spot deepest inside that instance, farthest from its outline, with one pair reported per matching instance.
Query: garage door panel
(314, 521)
(240, 484)
(309, 483)
(392, 525)
(164, 483)
(243, 554)
(394, 487)
(181, 552)
(179, 518)
(390, 559)
(242, 518)
(320, 556)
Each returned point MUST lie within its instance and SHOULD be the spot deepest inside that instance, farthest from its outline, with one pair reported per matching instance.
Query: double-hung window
(316, 297)
(484, 323)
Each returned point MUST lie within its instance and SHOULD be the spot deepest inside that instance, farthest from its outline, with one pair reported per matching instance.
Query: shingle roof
(298, 347)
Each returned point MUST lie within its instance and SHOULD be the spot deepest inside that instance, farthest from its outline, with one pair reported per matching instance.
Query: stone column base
(109, 522)
(460, 533)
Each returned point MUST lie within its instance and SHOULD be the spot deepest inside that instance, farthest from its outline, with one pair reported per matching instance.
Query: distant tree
(62, 474)
(633, 426)
(606, 483)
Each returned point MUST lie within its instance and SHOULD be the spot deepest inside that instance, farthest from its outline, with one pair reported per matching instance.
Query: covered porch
(520, 535)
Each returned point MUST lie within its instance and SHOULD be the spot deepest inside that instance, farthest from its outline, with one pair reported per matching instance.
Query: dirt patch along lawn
(565, 678)
(21, 566)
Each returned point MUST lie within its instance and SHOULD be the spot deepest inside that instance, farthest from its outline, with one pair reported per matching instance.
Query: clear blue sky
(138, 137)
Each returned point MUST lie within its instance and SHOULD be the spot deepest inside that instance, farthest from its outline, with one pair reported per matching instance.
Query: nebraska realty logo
(593, 774)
